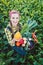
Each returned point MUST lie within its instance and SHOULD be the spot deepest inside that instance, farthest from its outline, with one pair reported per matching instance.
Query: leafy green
(30, 10)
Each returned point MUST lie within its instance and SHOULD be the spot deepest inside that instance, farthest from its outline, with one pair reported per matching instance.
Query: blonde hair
(13, 12)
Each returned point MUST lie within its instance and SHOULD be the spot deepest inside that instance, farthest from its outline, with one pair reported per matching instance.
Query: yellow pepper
(18, 35)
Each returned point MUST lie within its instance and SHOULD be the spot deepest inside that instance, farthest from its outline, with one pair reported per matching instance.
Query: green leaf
(9, 60)
(31, 57)
(36, 63)
(22, 60)
(10, 53)
(2, 55)
(41, 61)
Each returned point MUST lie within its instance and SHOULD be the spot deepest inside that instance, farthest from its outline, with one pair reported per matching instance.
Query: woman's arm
(9, 37)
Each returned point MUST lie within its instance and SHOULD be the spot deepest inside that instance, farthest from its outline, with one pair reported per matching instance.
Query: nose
(15, 19)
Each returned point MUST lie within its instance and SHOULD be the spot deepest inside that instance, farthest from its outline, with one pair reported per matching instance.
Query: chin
(15, 25)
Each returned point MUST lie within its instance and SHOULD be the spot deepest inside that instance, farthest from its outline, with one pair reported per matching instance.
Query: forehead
(14, 15)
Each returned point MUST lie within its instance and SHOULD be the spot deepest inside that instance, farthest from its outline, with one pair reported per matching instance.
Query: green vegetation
(32, 9)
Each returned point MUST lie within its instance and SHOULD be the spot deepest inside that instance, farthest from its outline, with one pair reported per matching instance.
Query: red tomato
(17, 44)
(21, 41)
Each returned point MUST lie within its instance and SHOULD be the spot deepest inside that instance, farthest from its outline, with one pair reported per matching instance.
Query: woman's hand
(13, 41)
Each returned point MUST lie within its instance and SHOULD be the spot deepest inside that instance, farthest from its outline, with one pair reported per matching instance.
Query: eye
(16, 17)
(13, 18)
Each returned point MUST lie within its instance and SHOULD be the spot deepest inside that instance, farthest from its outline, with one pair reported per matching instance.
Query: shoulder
(7, 27)
(19, 24)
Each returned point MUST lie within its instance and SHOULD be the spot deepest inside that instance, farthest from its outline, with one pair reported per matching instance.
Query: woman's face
(14, 19)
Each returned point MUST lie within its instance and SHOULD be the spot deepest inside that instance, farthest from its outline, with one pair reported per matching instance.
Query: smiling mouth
(15, 22)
